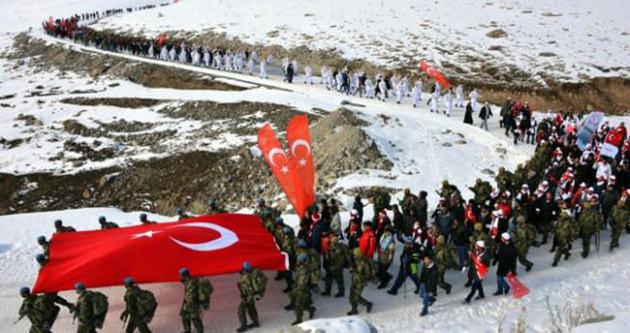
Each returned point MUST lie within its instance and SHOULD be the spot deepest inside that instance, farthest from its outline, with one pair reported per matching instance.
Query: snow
(600, 279)
(589, 37)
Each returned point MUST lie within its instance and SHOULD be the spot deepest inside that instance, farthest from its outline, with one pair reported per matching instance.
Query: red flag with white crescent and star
(301, 157)
(206, 245)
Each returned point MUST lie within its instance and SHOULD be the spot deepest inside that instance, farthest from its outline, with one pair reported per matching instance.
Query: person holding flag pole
(480, 260)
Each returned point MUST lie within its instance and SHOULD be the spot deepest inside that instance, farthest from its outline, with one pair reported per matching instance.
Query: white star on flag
(284, 169)
(302, 162)
(148, 234)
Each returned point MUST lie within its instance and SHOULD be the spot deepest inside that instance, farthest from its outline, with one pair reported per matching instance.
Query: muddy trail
(235, 177)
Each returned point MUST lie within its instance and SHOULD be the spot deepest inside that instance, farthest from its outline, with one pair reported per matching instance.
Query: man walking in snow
(485, 114)
(459, 91)
(506, 257)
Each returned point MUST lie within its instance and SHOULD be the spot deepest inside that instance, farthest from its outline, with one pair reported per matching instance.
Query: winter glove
(205, 305)
(257, 298)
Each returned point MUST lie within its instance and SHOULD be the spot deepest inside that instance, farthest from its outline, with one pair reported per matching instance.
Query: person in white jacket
(250, 66)
(459, 91)
(164, 53)
(449, 100)
(206, 57)
(263, 69)
(308, 75)
(400, 92)
(435, 100)
(382, 87)
(369, 89)
(474, 96)
(416, 93)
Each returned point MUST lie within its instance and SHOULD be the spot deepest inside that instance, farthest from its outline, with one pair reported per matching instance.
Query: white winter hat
(354, 212)
(505, 236)
(480, 243)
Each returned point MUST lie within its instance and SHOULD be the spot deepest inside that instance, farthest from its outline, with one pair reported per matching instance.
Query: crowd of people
(398, 87)
(562, 194)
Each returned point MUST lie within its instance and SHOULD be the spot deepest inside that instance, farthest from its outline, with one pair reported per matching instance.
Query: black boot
(369, 307)
(339, 294)
(353, 312)
(243, 328)
(311, 312)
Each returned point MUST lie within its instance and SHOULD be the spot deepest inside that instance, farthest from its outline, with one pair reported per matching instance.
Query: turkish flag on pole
(299, 140)
(434, 73)
(519, 290)
(295, 173)
(206, 245)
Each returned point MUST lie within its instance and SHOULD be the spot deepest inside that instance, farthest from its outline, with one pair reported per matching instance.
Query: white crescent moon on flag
(298, 143)
(227, 239)
(273, 152)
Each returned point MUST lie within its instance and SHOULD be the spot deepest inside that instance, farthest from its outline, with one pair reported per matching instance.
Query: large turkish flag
(206, 245)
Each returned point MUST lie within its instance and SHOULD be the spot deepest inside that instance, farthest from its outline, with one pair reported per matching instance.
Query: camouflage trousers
(355, 295)
(137, 324)
(336, 276)
(522, 257)
(615, 233)
(562, 248)
(247, 306)
(86, 328)
(301, 302)
(442, 283)
(586, 243)
(194, 318)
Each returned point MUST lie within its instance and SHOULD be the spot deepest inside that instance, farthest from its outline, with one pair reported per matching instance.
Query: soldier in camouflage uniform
(29, 310)
(482, 191)
(41, 259)
(566, 229)
(252, 289)
(314, 264)
(590, 222)
(289, 246)
(301, 294)
(361, 275)
(47, 302)
(338, 258)
(135, 315)
(214, 208)
(620, 220)
(504, 179)
(477, 235)
(84, 310)
(41, 240)
(408, 202)
(525, 235)
(106, 224)
(191, 306)
(60, 228)
(381, 201)
(445, 257)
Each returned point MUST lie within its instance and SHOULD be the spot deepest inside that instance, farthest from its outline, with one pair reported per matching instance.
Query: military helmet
(287, 230)
(79, 286)
(279, 220)
(102, 219)
(302, 258)
(478, 181)
(179, 211)
(212, 202)
(184, 272)
(40, 257)
(441, 239)
(41, 239)
(302, 244)
(128, 281)
(520, 219)
(143, 217)
(25, 291)
(478, 227)
(260, 201)
(58, 223)
(358, 253)
(247, 267)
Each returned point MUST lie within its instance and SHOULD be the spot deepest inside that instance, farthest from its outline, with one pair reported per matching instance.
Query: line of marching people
(382, 86)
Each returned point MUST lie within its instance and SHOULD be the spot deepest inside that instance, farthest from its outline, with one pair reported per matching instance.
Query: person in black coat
(506, 257)
(428, 284)
(409, 260)
(468, 119)
(290, 73)
(481, 257)
(358, 206)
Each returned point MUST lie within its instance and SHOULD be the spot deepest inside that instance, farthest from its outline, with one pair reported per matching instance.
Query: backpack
(146, 305)
(205, 291)
(99, 308)
(259, 282)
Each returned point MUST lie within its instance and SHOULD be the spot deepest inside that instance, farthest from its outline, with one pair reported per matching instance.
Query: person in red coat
(367, 243)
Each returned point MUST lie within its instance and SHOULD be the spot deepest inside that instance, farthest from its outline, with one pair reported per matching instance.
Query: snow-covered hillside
(568, 40)
(601, 279)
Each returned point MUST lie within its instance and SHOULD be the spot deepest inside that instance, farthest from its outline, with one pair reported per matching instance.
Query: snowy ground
(568, 40)
(601, 279)
(422, 151)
